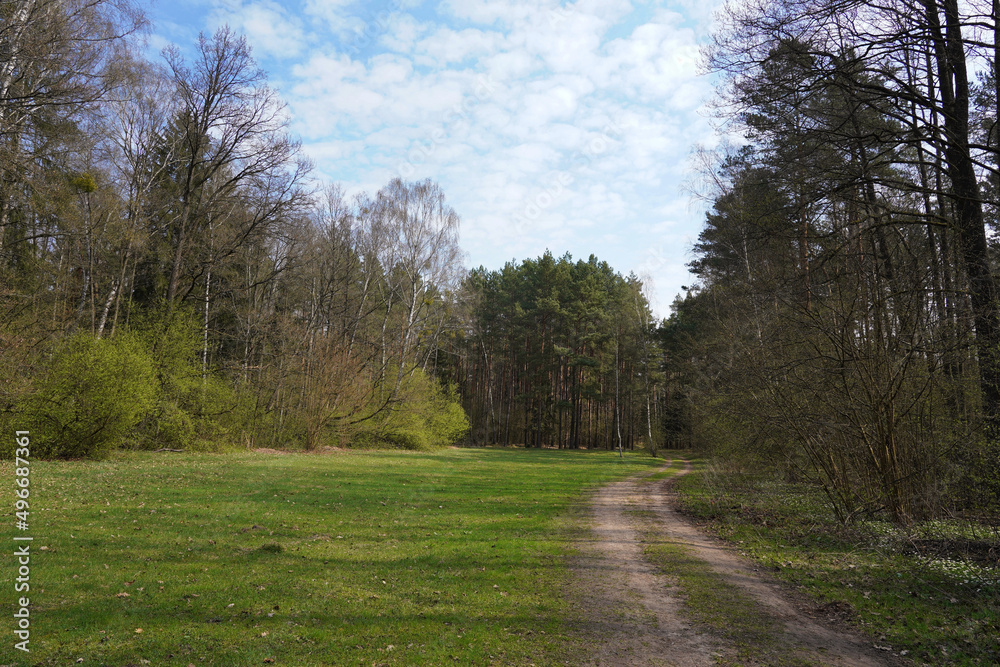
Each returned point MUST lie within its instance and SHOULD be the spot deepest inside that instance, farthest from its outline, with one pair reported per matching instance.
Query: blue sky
(549, 125)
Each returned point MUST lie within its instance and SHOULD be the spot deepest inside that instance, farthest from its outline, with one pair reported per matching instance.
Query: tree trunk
(953, 77)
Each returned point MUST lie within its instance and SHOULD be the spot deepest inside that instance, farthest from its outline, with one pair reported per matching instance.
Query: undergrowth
(929, 593)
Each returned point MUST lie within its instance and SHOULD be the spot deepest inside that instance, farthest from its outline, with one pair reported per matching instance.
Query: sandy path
(633, 609)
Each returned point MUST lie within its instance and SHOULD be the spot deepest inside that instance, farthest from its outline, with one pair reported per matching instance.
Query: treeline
(172, 277)
(845, 328)
(169, 275)
(560, 354)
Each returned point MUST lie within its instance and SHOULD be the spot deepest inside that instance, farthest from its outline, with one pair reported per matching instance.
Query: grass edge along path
(942, 612)
(711, 602)
(449, 557)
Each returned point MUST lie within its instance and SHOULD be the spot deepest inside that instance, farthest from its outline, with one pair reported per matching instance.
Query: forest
(173, 276)
(561, 354)
(844, 328)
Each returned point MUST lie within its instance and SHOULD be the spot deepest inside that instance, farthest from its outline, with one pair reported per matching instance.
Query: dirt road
(636, 613)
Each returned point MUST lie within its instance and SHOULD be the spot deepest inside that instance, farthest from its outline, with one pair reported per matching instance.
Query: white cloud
(446, 46)
(549, 104)
(387, 71)
(333, 92)
(653, 61)
(489, 12)
(399, 32)
(506, 66)
(270, 28)
(339, 17)
(568, 46)
(533, 158)
(549, 126)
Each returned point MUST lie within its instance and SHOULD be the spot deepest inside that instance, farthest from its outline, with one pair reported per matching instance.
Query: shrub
(169, 426)
(90, 396)
(18, 358)
(447, 421)
(197, 410)
(426, 416)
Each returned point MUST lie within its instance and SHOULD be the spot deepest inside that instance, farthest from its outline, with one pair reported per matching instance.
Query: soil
(634, 612)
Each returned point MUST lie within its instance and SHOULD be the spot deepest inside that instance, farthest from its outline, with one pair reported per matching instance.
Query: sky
(549, 125)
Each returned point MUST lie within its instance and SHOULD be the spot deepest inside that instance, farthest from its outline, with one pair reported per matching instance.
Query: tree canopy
(845, 323)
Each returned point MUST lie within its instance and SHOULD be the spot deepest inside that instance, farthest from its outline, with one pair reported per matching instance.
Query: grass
(932, 609)
(455, 557)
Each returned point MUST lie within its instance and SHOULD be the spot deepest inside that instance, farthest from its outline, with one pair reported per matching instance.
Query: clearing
(470, 557)
(453, 557)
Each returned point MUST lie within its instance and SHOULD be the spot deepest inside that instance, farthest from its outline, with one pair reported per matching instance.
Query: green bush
(173, 339)
(89, 397)
(169, 426)
(222, 415)
(426, 416)
(197, 411)
(447, 421)
(18, 357)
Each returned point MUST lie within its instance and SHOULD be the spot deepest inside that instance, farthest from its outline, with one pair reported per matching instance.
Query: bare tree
(233, 145)
(422, 259)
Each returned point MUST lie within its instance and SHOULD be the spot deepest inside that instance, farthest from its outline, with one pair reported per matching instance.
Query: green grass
(455, 557)
(661, 475)
(933, 610)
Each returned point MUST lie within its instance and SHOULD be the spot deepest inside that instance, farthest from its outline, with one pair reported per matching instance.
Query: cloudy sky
(566, 126)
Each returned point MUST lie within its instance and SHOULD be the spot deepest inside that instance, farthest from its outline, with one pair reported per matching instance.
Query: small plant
(921, 588)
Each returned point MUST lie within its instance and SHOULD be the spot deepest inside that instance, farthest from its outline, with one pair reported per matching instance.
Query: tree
(907, 64)
(557, 355)
(57, 60)
(231, 139)
(860, 124)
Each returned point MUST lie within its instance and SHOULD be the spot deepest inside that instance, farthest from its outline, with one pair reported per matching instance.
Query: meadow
(346, 558)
